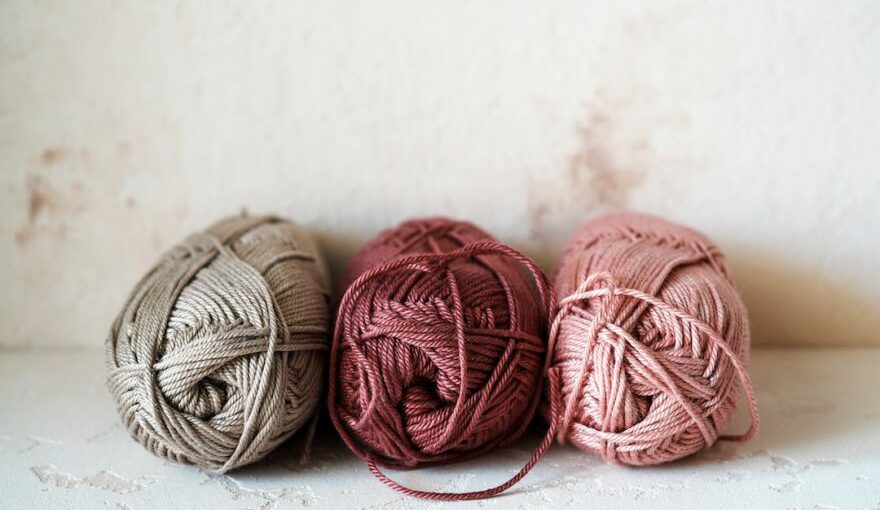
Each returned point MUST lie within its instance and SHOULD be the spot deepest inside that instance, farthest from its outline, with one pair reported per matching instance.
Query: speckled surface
(61, 446)
(127, 125)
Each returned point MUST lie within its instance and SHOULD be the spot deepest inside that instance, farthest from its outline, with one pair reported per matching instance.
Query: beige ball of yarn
(218, 355)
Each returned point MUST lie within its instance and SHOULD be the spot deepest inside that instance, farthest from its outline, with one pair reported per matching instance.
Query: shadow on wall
(613, 158)
(788, 306)
(338, 248)
(610, 162)
(791, 306)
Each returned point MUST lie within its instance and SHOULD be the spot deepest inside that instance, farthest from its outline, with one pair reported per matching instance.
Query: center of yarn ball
(651, 341)
(438, 351)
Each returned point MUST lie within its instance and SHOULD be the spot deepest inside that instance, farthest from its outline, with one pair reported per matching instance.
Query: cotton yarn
(651, 342)
(438, 351)
(218, 354)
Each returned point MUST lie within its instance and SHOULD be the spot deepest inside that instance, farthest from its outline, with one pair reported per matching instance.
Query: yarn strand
(539, 452)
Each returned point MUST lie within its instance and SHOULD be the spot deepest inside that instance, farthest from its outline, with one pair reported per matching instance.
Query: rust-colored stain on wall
(601, 174)
(39, 199)
(53, 155)
(594, 171)
(46, 203)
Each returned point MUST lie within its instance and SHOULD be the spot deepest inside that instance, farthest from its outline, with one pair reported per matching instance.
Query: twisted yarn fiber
(438, 351)
(217, 358)
(652, 341)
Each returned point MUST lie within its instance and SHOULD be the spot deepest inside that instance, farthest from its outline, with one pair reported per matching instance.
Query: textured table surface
(61, 446)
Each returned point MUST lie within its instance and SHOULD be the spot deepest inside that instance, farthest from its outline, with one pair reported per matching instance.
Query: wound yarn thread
(651, 342)
(438, 351)
(218, 354)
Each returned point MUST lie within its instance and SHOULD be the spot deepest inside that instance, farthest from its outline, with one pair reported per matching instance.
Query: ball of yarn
(217, 356)
(651, 341)
(439, 350)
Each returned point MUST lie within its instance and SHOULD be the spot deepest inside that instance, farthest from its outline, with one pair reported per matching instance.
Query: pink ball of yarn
(439, 348)
(651, 341)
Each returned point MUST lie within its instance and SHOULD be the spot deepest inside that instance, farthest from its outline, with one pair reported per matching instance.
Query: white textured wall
(126, 125)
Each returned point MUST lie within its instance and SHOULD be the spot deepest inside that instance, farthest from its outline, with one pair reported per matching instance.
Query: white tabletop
(61, 446)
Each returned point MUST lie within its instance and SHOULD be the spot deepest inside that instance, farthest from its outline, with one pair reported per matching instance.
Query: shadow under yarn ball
(439, 350)
(218, 354)
(651, 341)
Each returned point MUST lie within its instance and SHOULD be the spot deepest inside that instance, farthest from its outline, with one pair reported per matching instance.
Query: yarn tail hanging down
(438, 352)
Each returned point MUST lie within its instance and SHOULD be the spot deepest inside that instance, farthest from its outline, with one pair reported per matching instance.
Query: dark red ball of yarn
(438, 352)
